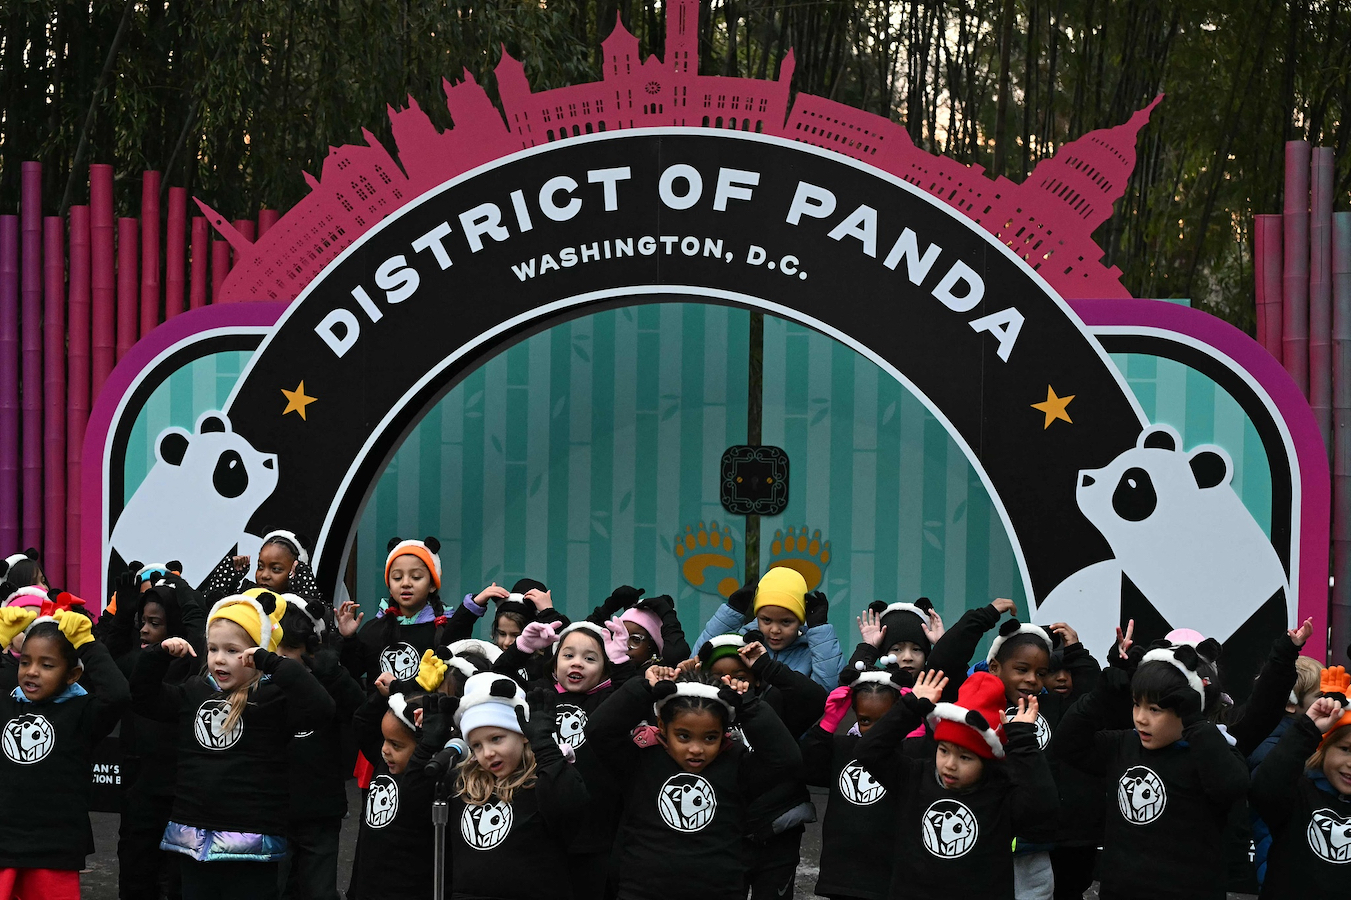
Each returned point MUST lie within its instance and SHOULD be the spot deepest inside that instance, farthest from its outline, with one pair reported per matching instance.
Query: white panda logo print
(382, 801)
(686, 802)
(1140, 795)
(1043, 727)
(209, 727)
(950, 829)
(485, 827)
(858, 786)
(570, 726)
(401, 659)
(1330, 836)
(28, 739)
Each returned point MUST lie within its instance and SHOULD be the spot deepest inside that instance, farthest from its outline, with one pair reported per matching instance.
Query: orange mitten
(1333, 683)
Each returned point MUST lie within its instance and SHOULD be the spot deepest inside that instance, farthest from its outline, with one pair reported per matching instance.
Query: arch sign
(1110, 515)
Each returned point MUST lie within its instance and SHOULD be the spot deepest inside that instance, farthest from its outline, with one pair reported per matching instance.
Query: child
(1171, 781)
(857, 834)
(50, 727)
(795, 698)
(1303, 792)
(23, 569)
(906, 632)
(317, 771)
(395, 843)
(234, 722)
(794, 623)
(958, 810)
(653, 626)
(686, 788)
(283, 567)
(516, 798)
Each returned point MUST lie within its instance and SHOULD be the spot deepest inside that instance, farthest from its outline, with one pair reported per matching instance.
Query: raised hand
(383, 682)
(1123, 641)
(933, 630)
(348, 616)
(1067, 634)
(1298, 636)
(247, 657)
(741, 599)
(736, 684)
(660, 673)
(871, 629)
(818, 609)
(1005, 605)
(1027, 711)
(241, 563)
(177, 646)
(929, 685)
(616, 642)
(686, 666)
(541, 599)
(537, 636)
(1324, 713)
(493, 591)
(751, 652)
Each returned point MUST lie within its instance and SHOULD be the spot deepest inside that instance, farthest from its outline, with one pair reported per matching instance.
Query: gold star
(1054, 407)
(296, 401)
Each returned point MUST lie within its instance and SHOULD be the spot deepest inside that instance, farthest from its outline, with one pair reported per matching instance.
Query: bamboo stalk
(103, 277)
(1340, 605)
(150, 235)
(54, 394)
(1295, 271)
(1267, 278)
(30, 339)
(128, 232)
(175, 252)
(197, 286)
(77, 381)
(220, 267)
(9, 384)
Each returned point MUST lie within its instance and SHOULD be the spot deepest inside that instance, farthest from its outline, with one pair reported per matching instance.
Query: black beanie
(528, 584)
(904, 622)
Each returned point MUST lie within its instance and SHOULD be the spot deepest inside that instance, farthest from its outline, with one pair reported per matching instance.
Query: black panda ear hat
(1013, 628)
(9, 562)
(905, 622)
(1186, 660)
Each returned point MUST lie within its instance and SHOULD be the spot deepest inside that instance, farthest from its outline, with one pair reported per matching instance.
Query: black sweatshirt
(1166, 808)
(519, 850)
(45, 766)
(952, 653)
(798, 701)
(681, 832)
(395, 842)
(857, 836)
(1265, 708)
(956, 844)
(318, 768)
(234, 781)
(383, 645)
(1310, 823)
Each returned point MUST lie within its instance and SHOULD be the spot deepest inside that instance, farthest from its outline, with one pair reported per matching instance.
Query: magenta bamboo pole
(1267, 263)
(10, 530)
(1295, 270)
(54, 394)
(266, 219)
(1320, 291)
(77, 382)
(103, 276)
(175, 252)
(200, 241)
(1340, 610)
(30, 339)
(150, 231)
(220, 267)
(128, 230)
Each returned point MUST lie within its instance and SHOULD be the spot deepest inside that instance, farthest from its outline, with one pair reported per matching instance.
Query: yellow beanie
(782, 586)
(250, 611)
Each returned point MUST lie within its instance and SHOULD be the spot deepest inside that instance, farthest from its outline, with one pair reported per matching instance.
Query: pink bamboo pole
(103, 276)
(150, 232)
(128, 231)
(175, 252)
(30, 338)
(10, 531)
(266, 219)
(1340, 611)
(1267, 263)
(54, 394)
(220, 267)
(197, 290)
(1320, 291)
(77, 381)
(1295, 271)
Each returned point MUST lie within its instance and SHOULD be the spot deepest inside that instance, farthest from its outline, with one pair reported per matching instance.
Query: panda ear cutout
(432, 544)
(32, 553)
(754, 635)
(977, 721)
(393, 542)
(174, 566)
(268, 601)
(172, 446)
(212, 423)
(1187, 655)
(1210, 649)
(502, 687)
(850, 674)
(1210, 466)
(925, 604)
(135, 566)
(877, 606)
(1009, 627)
(1159, 437)
(663, 689)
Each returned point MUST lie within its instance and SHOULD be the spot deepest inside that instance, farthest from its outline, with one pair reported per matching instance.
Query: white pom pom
(859, 665)
(889, 660)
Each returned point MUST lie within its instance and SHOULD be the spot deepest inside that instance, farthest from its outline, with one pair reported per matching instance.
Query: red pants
(39, 884)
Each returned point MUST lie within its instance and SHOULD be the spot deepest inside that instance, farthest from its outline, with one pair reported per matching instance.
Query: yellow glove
(431, 671)
(13, 620)
(78, 629)
(1334, 681)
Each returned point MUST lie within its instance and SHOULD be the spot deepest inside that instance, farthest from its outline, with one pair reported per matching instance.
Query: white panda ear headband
(1010, 631)
(290, 541)
(399, 706)
(299, 602)
(690, 689)
(1169, 655)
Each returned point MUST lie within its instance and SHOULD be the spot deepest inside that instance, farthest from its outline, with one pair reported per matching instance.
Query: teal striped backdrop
(580, 455)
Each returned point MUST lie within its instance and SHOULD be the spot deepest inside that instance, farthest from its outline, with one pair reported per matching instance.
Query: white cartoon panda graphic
(1043, 727)
(401, 659)
(28, 739)
(686, 802)
(949, 829)
(196, 501)
(1330, 836)
(858, 786)
(209, 726)
(1140, 795)
(487, 826)
(570, 725)
(382, 801)
(1180, 533)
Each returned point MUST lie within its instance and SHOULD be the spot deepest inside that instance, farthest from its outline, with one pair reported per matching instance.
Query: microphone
(454, 751)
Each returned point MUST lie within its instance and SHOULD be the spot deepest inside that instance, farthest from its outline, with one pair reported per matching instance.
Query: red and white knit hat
(975, 721)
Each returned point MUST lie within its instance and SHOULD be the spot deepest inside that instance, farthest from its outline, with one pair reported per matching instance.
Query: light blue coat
(815, 654)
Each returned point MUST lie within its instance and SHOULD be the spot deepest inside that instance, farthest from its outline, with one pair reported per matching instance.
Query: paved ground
(100, 882)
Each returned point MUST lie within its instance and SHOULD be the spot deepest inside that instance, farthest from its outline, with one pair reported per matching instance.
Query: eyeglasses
(637, 640)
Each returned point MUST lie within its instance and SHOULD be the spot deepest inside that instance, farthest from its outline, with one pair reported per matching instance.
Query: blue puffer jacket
(816, 654)
(209, 845)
